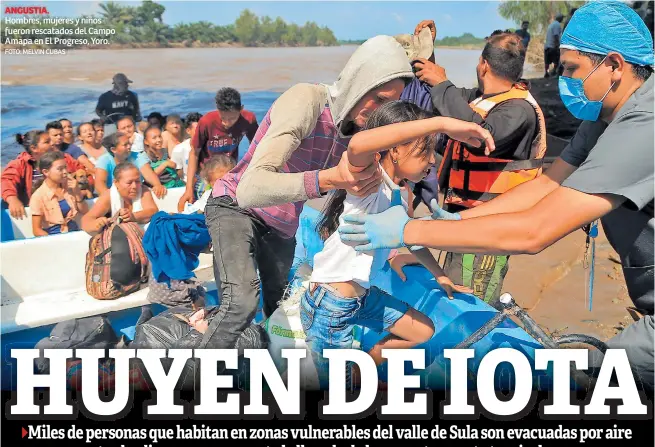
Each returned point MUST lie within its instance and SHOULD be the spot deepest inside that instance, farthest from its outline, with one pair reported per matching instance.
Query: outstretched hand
(450, 288)
(439, 213)
(426, 24)
(401, 260)
(358, 181)
(160, 191)
(429, 72)
(376, 231)
(189, 197)
(469, 133)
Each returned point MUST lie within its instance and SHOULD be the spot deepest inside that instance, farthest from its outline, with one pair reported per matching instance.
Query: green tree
(113, 13)
(292, 36)
(280, 28)
(539, 13)
(464, 39)
(157, 32)
(309, 34)
(326, 37)
(267, 30)
(144, 24)
(246, 27)
(149, 12)
(182, 32)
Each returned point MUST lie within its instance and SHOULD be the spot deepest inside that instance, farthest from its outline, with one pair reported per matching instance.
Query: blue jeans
(328, 320)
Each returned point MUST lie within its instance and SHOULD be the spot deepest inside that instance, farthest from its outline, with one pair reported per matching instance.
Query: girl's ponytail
(29, 139)
(329, 221)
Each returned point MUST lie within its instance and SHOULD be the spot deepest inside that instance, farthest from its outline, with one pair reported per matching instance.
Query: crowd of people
(390, 132)
(62, 166)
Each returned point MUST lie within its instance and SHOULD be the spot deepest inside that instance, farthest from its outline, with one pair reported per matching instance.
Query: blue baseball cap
(601, 27)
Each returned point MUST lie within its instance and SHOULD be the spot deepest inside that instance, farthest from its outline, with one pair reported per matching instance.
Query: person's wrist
(409, 232)
(439, 123)
(355, 169)
(312, 184)
(326, 180)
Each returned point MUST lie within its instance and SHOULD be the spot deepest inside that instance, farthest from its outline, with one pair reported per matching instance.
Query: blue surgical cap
(600, 27)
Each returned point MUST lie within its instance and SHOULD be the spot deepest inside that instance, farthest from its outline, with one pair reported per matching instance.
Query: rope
(592, 233)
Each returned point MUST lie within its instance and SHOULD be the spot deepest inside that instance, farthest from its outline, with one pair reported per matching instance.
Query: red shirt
(18, 176)
(212, 138)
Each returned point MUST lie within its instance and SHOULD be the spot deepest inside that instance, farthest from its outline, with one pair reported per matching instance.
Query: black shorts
(551, 56)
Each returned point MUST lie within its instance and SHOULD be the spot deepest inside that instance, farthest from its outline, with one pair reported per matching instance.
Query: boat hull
(454, 320)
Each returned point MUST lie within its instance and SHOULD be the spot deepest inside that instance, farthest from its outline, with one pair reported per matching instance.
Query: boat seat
(32, 298)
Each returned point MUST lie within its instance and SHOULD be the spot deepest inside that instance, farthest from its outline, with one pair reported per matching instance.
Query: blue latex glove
(375, 231)
(438, 213)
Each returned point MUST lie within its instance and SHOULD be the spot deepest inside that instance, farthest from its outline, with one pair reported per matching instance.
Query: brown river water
(247, 69)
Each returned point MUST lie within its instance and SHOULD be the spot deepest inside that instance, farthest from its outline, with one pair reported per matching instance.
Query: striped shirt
(321, 149)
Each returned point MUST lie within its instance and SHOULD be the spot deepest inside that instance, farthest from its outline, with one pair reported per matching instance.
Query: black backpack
(90, 332)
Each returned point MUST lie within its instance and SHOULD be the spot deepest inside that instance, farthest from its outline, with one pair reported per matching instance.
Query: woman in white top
(400, 136)
(127, 198)
(87, 136)
(173, 133)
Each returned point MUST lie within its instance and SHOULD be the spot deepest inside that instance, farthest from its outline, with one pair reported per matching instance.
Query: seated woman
(58, 200)
(127, 198)
(158, 157)
(87, 135)
(173, 134)
(119, 150)
(21, 176)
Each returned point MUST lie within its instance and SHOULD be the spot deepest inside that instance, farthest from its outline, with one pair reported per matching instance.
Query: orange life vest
(475, 179)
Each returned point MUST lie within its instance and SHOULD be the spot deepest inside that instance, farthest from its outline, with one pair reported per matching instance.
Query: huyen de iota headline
(287, 396)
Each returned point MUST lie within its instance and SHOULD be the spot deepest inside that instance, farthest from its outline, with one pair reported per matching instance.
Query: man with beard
(471, 175)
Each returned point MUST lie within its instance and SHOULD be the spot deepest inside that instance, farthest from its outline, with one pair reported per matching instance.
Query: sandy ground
(551, 287)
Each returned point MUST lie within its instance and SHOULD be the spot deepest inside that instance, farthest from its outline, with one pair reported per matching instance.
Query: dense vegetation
(466, 39)
(539, 13)
(143, 25)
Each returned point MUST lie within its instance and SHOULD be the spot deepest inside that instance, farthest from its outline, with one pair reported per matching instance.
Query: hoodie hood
(377, 61)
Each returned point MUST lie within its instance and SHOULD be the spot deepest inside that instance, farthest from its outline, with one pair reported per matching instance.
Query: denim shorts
(328, 320)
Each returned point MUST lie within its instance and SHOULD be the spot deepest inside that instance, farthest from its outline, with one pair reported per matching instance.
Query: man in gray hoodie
(298, 153)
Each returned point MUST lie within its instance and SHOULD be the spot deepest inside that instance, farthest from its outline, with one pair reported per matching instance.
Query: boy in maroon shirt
(220, 132)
